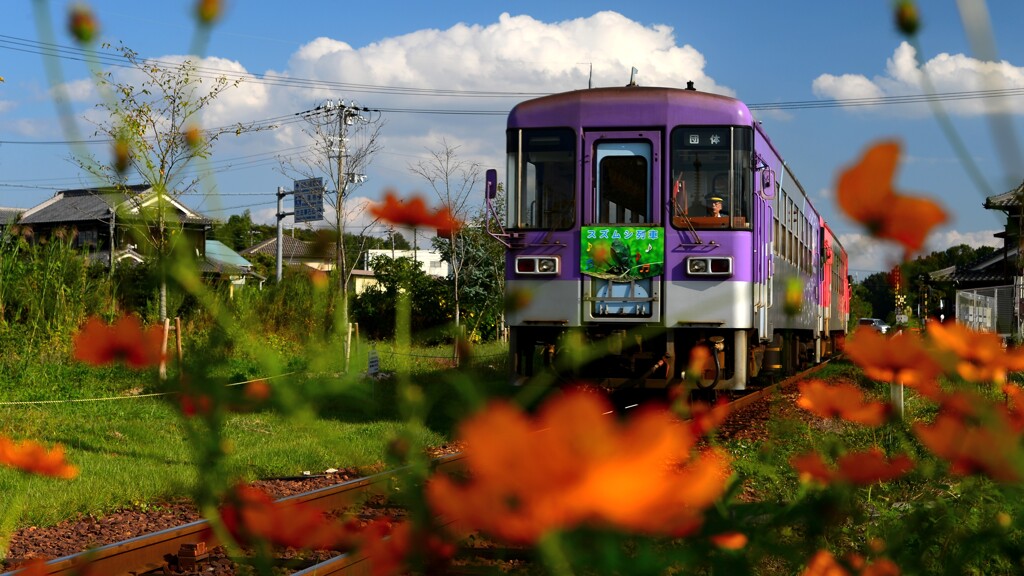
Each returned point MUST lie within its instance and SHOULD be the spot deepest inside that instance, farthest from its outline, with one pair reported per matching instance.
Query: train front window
(541, 179)
(712, 179)
(622, 194)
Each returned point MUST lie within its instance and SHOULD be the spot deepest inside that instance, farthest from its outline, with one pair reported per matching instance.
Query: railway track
(150, 553)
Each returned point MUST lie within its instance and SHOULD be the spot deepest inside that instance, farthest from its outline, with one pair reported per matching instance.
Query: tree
(239, 232)
(452, 180)
(376, 309)
(331, 126)
(156, 133)
(483, 276)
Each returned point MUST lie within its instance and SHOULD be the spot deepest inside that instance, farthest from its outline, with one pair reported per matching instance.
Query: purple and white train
(620, 264)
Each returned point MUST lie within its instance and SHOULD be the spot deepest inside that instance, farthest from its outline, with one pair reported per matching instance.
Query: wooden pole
(163, 349)
(177, 335)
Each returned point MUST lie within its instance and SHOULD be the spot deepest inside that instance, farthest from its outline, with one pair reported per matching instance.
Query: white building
(430, 261)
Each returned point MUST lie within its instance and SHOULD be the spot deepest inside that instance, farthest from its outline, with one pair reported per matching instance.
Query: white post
(896, 397)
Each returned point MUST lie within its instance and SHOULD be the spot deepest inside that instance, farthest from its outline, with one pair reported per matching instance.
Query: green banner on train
(622, 252)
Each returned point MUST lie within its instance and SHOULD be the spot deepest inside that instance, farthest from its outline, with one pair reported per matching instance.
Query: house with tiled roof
(224, 263)
(116, 225)
(9, 216)
(295, 252)
(988, 293)
(317, 256)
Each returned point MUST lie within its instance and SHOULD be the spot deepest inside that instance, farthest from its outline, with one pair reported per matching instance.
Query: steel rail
(356, 564)
(147, 552)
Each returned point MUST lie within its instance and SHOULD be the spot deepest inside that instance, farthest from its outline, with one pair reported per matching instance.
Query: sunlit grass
(134, 450)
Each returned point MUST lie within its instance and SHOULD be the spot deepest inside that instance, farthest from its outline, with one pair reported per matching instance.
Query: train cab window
(624, 183)
(541, 179)
(711, 165)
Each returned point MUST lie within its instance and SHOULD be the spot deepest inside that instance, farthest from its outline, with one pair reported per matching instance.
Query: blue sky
(763, 53)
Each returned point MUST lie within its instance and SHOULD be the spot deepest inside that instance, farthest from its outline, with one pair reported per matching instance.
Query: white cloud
(83, 90)
(868, 255)
(948, 73)
(516, 54)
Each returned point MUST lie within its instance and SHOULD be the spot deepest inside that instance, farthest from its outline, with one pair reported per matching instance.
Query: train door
(764, 237)
(622, 243)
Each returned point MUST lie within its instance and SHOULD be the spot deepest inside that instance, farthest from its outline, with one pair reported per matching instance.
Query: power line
(87, 55)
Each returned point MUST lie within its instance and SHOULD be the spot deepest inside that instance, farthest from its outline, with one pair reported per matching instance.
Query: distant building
(296, 253)
(227, 265)
(321, 257)
(9, 216)
(989, 295)
(430, 260)
(114, 225)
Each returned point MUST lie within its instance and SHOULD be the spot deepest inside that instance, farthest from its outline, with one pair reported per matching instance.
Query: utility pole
(330, 121)
(281, 193)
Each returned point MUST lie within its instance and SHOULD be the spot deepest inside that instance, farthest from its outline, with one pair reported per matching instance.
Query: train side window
(542, 181)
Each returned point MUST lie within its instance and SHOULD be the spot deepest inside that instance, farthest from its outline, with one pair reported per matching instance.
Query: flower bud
(907, 18)
(82, 23)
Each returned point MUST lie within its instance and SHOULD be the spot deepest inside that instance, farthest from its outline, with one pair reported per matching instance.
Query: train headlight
(709, 265)
(546, 265)
(697, 266)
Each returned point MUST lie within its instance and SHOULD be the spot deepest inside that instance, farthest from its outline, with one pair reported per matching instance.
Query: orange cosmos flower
(250, 514)
(823, 563)
(257, 390)
(972, 449)
(389, 548)
(705, 418)
(871, 466)
(28, 456)
(730, 540)
(1014, 406)
(980, 355)
(900, 359)
(857, 468)
(99, 344)
(414, 212)
(866, 195)
(844, 401)
(577, 466)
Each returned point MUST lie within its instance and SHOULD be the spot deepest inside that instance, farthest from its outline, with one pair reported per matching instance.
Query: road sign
(309, 200)
(373, 365)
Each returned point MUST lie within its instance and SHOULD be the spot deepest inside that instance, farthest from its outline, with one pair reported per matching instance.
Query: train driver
(715, 207)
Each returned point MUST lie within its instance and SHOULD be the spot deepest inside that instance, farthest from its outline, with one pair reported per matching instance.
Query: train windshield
(711, 176)
(541, 179)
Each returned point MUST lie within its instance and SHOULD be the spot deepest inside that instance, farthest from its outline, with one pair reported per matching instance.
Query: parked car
(875, 323)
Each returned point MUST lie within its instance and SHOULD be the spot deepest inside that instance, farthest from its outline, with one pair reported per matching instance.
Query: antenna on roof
(632, 77)
(590, 80)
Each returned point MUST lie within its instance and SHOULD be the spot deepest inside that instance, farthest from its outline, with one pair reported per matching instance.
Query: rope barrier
(132, 397)
(154, 394)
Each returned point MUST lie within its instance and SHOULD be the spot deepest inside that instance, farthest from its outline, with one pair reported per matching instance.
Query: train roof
(630, 105)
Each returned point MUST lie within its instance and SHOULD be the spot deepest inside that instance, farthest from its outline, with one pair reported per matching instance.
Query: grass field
(132, 445)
